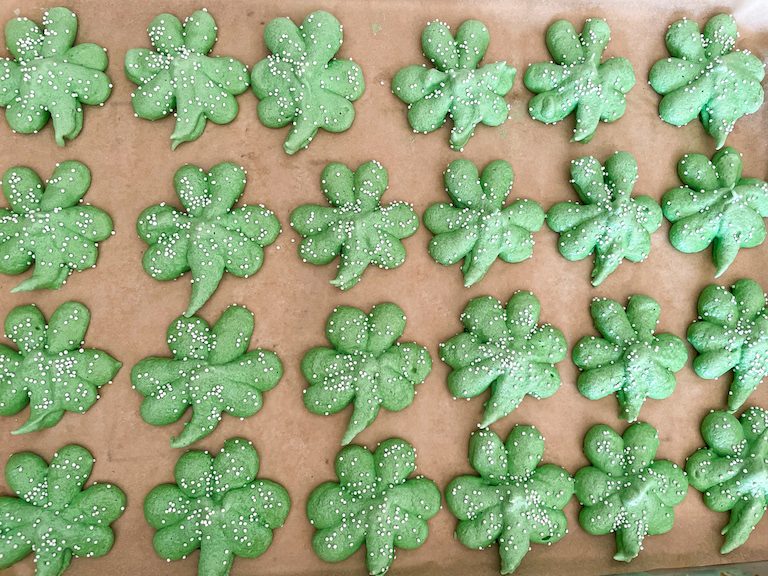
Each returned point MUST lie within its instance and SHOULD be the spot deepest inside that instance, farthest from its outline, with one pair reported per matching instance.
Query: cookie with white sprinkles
(302, 83)
(457, 86)
(51, 76)
(179, 75)
(373, 503)
(210, 371)
(217, 505)
(53, 516)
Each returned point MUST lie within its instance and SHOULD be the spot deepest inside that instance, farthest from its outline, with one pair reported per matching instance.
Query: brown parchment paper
(132, 167)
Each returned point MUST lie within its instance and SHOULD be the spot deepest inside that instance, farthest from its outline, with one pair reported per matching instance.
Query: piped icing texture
(731, 335)
(46, 226)
(356, 226)
(53, 516)
(626, 491)
(209, 237)
(474, 226)
(456, 86)
(731, 471)
(706, 77)
(577, 80)
(610, 222)
(51, 371)
(504, 349)
(630, 360)
(179, 75)
(365, 366)
(373, 503)
(302, 83)
(210, 371)
(217, 505)
(51, 77)
(516, 501)
(716, 206)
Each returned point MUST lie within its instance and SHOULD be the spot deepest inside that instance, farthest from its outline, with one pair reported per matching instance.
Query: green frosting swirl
(732, 471)
(455, 87)
(374, 503)
(610, 223)
(180, 76)
(210, 371)
(301, 83)
(51, 371)
(706, 77)
(506, 349)
(45, 225)
(474, 226)
(577, 80)
(51, 76)
(217, 505)
(626, 491)
(516, 501)
(53, 516)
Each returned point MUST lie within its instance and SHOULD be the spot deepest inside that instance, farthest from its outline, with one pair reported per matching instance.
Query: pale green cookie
(577, 80)
(301, 83)
(610, 222)
(504, 349)
(474, 226)
(209, 237)
(217, 505)
(456, 86)
(630, 360)
(707, 77)
(51, 371)
(373, 503)
(731, 471)
(53, 516)
(365, 366)
(210, 371)
(46, 226)
(716, 206)
(730, 335)
(356, 226)
(181, 76)
(626, 491)
(516, 501)
(51, 77)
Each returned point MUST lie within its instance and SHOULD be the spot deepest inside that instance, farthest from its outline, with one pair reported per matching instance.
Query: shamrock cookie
(731, 471)
(301, 83)
(51, 76)
(51, 371)
(730, 335)
(210, 371)
(209, 237)
(474, 226)
(629, 360)
(45, 225)
(455, 87)
(506, 349)
(576, 80)
(53, 516)
(626, 491)
(374, 503)
(716, 206)
(610, 222)
(218, 506)
(365, 366)
(181, 76)
(707, 77)
(516, 501)
(356, 226)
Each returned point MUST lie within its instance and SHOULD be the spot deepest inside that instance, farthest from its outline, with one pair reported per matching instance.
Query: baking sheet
(132, 167)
